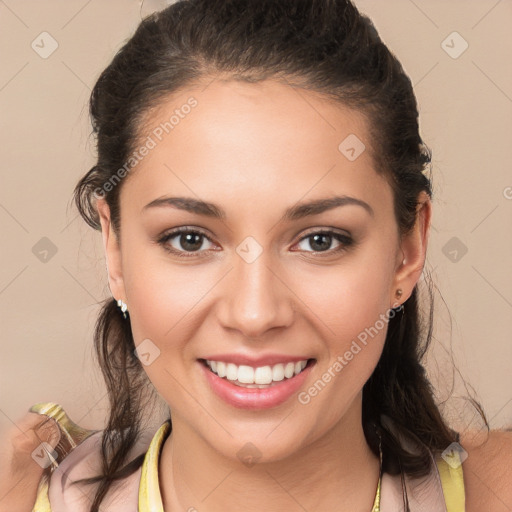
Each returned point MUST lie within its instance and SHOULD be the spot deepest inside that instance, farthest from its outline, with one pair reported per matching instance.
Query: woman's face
(251, 284)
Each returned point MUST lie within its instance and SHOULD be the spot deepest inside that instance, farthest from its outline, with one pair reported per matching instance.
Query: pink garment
(85, 461)
(424, 495)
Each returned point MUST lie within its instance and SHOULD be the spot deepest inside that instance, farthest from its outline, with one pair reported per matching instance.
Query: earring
(398, 294)
(122, 305)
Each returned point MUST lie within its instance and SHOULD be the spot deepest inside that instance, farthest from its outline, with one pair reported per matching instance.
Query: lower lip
(255, 398)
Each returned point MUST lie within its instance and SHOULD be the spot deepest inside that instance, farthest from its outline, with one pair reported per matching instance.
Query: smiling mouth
(260, 377)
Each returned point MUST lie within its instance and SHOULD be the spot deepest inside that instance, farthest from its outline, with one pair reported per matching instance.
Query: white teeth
(221, 369)
(256, 377)
(262, 375)
(289, 370)
(278, 372)
(231, 371)
(245, 375)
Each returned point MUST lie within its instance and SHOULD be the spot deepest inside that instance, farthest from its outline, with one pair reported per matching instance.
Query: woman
(265, 213)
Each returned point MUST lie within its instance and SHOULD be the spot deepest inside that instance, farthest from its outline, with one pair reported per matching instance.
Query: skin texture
(487, 471)
(256, 150)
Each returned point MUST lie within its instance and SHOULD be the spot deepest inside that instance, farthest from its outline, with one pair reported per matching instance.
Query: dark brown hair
(325, 46)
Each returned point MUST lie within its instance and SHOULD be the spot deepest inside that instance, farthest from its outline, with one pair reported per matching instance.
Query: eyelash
(345, 242)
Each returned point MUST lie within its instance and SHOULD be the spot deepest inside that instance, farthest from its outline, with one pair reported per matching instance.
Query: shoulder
(85, 461)
(487, 470)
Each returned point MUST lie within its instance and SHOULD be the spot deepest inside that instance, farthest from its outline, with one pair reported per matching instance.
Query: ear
(411, 255)
(112, 251)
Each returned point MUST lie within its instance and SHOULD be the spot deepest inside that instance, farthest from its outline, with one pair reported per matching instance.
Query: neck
(337, 472)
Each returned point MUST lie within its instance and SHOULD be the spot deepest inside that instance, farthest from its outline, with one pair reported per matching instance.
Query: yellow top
(150, 499)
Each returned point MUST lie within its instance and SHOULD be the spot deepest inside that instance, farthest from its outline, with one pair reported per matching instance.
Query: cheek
(349, 310)
(164, 297)
(163, 300)
(349, 297)
(354, 342)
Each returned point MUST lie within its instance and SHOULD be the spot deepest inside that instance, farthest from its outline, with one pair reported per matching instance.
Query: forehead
(266, 142)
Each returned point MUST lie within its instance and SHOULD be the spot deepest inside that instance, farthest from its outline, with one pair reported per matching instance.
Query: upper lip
(256, 361)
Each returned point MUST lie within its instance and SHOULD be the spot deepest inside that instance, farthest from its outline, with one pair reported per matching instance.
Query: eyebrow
(295, 212)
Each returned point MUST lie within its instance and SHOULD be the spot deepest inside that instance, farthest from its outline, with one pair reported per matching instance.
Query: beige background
(48, 308)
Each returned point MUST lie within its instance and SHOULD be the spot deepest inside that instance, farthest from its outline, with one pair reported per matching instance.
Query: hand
(23, 459)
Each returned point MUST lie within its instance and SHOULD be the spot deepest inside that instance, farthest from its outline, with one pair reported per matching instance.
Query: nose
(255, 298)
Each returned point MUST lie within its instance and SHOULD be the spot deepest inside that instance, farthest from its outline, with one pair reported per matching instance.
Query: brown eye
(321, 241)
(190, 241)
(182, 241)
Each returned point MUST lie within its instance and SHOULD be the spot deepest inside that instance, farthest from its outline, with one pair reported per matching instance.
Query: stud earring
(398, 294)
(122, 305)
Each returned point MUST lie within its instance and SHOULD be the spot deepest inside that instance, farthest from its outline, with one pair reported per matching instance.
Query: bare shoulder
(488, 471)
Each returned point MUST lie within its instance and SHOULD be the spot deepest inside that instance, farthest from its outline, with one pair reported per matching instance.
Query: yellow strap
(376, 502)
(150, 499)
(42, 501)
(452, 481)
